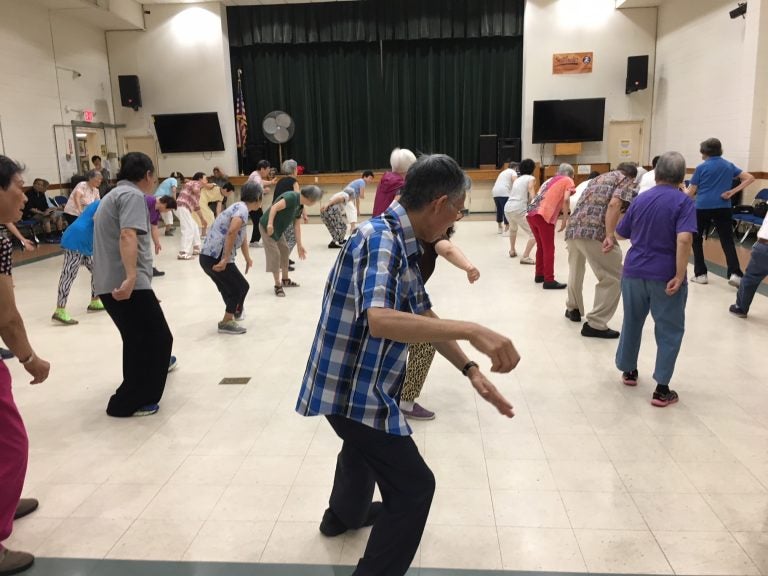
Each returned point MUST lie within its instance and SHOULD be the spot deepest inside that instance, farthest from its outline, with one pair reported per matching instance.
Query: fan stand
(280, 153)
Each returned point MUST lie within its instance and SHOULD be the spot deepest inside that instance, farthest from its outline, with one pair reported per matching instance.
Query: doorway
(625, 142)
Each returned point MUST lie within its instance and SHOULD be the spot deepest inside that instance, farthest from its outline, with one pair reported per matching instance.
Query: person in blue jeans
(711, 187)
(757, 270)
(660, 224)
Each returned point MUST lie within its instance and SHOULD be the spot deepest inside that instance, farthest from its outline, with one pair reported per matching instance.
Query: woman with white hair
(84, 193)
(289, 183)
(391, 182)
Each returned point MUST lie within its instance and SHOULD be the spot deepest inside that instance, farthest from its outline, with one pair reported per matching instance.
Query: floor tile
(650, 477)
(573, 447)
(244, 503)
(722, 478)
(520, 475)
(710, 553)
(741, 512)
(156, 540)
(634, 448)
(755, 544)
(461, 507)
(117, 501)
(602, 510)
(301, 543)
(664, 511)
(469, 547)
(540, 549)
(586, 476)
(305, 504)
(84, 537)
(513, 447)
(225, 540)
(622, 551)
(530, 509)
(183, 502)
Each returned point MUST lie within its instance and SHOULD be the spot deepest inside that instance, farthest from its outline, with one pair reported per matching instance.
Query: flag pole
(242, 122)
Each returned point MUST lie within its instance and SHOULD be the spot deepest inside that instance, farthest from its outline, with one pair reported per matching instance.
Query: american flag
(240, 118)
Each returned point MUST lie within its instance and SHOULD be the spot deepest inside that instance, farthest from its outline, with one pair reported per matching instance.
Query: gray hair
(312, 192)
(432, 177)
(92, 174)
(289, 167)
(565, 169)
(401, 160)
(670, 168)
(251, 192)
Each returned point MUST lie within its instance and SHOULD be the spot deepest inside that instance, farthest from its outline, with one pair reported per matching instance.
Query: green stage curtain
(353, 101)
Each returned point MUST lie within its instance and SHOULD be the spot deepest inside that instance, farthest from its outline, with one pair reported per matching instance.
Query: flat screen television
(568, 120)
(198, 132)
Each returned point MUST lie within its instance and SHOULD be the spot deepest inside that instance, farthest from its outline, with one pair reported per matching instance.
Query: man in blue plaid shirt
(374, 305)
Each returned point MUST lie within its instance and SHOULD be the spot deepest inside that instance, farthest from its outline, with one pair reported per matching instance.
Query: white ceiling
(242, 2)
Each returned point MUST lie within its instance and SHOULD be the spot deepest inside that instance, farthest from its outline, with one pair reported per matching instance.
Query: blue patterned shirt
(217, 235)
(349, 372)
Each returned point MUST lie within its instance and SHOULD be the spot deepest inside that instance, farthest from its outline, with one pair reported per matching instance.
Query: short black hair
(198, 176)
(368, 173)
(711, 147)
(94, 158)
(654, 161)
(169, 201)
(134, 167)
(177, 175)
(432, 176)
(8, 169)
(628, 169)
(261, 164)
(527, 167)
(593, 174)
(251, 192)
(228, 186)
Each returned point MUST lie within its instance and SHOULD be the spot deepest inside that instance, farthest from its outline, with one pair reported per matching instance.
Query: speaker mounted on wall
(637, 73)
(130, 91)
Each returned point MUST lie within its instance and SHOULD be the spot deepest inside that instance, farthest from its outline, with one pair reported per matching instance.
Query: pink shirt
(87, 196)
(189, 197)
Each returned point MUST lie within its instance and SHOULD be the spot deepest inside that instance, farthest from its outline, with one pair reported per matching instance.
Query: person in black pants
(712, 188)
(122, 278)
(259, 176)
(373, 306)
(217, 257)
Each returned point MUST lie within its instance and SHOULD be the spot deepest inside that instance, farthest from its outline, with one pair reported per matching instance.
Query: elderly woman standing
(188, 201)
(543, 213)
(391, 182)
(287, 210)
(217, 258)
(333, 215)
(84, 193)
(660, 224)
(14, 445)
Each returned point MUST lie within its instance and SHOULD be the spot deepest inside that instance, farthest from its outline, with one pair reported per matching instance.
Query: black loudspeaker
(509, 150)
(637, 73)
(130, 92)
(487, 150)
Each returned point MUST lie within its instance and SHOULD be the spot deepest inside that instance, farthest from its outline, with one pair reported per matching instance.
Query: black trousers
(255, 217)
(722, 218)
(368, 457)
(232, 285)
(69, 218)
(147, 345)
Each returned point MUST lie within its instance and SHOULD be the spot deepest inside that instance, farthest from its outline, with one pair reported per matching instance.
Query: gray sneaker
(231, 327)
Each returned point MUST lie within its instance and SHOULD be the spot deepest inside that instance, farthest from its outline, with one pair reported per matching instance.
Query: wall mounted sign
(572, 63)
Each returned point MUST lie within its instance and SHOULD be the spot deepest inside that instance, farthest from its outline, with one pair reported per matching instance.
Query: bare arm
(246, 254)
(299, 245)
(745, 179)
(682, 254)
(14, 334)
(412, 328)
(691, 190)
(455, 256)
(612, 215)
(565, 210)
(278, 206)
(156, 239)
(129, 253)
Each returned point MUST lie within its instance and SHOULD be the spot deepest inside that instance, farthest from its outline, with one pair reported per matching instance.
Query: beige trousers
(607, 268)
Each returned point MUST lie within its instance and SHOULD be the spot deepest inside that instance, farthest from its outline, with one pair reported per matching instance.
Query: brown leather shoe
(12, 562)
(25, 507)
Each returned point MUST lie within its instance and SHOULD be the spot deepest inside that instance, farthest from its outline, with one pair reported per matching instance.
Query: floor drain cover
(235, 380)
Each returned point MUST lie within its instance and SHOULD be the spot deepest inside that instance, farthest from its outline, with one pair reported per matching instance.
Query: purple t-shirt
(652, 223)
(154, 215)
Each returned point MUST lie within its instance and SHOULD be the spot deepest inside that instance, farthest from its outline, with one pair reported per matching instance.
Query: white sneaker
(734, 280)
(700, 279)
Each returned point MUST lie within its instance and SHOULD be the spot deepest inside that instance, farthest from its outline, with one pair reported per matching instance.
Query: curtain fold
(354, 100)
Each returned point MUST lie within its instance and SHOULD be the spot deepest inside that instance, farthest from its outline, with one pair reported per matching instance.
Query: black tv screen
(199, 132)
(568, 120)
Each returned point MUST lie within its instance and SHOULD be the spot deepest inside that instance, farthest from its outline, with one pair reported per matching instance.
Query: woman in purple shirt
(660, 224)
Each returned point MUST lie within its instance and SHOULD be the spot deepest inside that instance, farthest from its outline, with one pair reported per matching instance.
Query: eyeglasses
(460, 212)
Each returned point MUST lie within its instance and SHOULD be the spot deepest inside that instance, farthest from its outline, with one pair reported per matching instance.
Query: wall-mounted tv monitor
(568, 120)
(198, 132)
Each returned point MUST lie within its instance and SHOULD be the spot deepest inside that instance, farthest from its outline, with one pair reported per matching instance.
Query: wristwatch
(467, 366)
(28, 360)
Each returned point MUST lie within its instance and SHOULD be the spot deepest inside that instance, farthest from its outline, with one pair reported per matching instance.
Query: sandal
(279, 292)
(512, 254)
(288, 283)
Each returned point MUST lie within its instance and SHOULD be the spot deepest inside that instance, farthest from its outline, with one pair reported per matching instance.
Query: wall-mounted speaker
(637, 73)
(487, 149)
(509, 151)
(130, 91)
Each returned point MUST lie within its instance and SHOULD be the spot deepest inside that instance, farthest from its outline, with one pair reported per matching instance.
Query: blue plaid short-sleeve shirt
(349, 372)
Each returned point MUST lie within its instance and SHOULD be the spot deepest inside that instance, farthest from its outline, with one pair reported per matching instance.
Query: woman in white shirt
(84, 193)
(516, 207)
(501, 190)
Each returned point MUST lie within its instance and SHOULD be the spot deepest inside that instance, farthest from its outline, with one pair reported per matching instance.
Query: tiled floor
(588, 477)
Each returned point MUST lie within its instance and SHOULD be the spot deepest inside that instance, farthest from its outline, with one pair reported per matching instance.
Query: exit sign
(88, 115)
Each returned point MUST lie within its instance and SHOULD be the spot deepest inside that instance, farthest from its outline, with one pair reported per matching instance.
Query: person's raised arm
(129, 253)
(455, 256)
